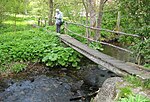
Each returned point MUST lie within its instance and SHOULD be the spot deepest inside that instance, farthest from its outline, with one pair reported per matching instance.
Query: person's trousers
(58, 28)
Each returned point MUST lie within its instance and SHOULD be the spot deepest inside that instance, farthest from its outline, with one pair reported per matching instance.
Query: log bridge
(119, 67)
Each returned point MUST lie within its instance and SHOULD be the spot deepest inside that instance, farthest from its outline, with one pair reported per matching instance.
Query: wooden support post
(88, 36)
(65, 25)
(45, 22)
(39, 20)
(118, 21)
(140, 57)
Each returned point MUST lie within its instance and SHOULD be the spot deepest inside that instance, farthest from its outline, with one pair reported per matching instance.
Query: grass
(22, 23)
(126, 94)
(134, 98)
(138, 82)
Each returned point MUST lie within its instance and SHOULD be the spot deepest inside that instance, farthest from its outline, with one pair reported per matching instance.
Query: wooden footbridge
(119, 67)
(112, 64)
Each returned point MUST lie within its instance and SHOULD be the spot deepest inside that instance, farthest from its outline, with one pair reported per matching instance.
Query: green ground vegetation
(126, 94)
(34, 45)
(135, 81)
(134, 98)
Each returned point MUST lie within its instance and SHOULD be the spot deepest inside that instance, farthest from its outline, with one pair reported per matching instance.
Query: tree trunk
(50, 16)
(85, 4)
(92, 6)
(92, 10)
(15, 23)
(87, 29)
(99, 20)
(26, 6)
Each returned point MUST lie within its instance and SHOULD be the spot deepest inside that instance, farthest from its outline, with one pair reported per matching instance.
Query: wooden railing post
(87, 34)
(45, 22)
(65, 27)
(39, 21)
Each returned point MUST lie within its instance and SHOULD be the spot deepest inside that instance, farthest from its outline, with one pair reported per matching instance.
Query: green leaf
(53, 57)
(45, 59)
(62, 62)
(74, 64)
(49, 64)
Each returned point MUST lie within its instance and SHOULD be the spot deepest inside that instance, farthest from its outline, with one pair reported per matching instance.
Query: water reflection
(118, 54)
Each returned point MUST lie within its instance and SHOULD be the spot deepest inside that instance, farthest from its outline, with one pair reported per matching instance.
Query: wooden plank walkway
(112, 64)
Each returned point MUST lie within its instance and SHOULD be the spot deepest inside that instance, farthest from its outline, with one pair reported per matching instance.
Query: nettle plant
(36, 45)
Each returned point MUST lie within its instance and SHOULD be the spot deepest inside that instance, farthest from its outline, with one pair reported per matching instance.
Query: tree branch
(105, 1)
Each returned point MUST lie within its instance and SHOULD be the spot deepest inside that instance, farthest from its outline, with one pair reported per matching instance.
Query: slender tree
(51, 9)
(3, 9)
(92, 11)
(99, 20)
(86, 6)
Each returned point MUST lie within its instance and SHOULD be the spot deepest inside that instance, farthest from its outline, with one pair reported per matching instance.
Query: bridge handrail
(104, 43)
(107, 30)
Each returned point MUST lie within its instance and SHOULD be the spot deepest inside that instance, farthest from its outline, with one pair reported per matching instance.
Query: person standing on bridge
(59, 20)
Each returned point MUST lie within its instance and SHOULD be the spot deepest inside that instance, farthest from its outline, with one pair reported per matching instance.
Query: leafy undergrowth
(126, 95)
(131, 92)
(134, 98)
(35, 45)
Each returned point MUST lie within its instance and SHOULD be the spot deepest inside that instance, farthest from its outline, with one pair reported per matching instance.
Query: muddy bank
(39, 83)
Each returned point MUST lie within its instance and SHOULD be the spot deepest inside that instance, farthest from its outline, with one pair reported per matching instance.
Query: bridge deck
(112, 64)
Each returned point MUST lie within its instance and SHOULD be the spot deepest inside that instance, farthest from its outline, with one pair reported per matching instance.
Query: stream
(39, 83)
(118, 54)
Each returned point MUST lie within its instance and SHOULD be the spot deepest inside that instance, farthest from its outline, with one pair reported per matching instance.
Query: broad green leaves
(62, 56)
(36, 46)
